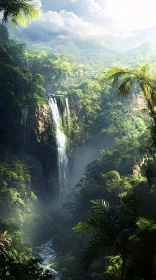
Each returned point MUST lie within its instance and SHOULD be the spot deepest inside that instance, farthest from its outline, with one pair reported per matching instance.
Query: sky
(95, 17)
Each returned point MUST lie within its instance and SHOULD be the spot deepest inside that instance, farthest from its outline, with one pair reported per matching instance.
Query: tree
(110, 232)
(119, 231)
(21, 11)
(10, 267)
(123, 80)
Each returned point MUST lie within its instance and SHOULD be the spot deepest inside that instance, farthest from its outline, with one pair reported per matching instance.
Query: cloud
(59, 22)
(83, 8)
(91, 11)
(94, 8)
(37, 3)
(117, 16)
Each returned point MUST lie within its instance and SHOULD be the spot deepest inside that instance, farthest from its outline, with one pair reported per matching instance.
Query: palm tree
(123, 80)
(111, 230)
(22, 11)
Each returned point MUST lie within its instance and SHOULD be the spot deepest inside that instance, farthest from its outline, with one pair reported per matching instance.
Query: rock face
(39, 150)
(36, 170)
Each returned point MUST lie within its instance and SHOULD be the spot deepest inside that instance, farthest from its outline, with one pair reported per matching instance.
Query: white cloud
(69, 22)
(37, 3)
(82, 8)
(94, 8)
(116, 15)
(62, 37)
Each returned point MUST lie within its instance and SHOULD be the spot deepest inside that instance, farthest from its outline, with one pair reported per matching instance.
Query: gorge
(77, 167)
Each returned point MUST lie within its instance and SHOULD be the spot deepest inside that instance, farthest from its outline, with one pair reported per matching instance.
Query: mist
(78, 140)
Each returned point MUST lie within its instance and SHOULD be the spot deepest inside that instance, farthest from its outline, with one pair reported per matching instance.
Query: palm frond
(146, 87)
(153, 96)
(145, 69)
(103, 212)
(21, 11)
(97, 246)
(88, 224)
(100, 206)
(125, 88)
(21, 19)
(114, 74)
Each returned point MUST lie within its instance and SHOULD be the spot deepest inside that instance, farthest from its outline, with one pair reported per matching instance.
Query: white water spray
(61, 146)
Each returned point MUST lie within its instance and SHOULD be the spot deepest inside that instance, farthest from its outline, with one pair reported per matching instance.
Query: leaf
(145, 224)
(126, 86)
(82, 226)
(93, 251)
(100, 206)
(19, 11)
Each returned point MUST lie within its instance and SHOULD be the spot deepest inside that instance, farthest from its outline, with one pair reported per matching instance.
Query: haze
(96, 17)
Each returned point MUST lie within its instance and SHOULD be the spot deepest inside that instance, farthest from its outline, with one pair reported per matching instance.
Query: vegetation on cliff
(113, 204)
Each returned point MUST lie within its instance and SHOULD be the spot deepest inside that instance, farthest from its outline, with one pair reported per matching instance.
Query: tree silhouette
(19, 11)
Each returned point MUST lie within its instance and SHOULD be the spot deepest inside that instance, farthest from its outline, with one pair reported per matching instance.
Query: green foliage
(19, 89)
(144, 224)
(23, 215)
(20, 270)
(56, 69)
(121, 228)
(117, 177)
(107, 224)
(4, 36)
(85, 104)
(21, 11)
(114, 268)
(144, 80)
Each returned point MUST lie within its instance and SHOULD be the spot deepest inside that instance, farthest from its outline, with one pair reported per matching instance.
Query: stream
(47, 255)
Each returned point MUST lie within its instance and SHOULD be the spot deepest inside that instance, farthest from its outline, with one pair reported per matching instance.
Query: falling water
(68, 114)
(61, 146)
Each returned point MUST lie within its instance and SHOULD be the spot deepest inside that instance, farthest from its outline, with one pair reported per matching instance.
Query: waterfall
(61, 146)
(68, 114)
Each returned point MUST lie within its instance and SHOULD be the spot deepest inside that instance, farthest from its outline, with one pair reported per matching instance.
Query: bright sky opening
(132, 14)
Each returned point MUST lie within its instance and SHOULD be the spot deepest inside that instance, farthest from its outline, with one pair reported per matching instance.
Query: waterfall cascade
(61, 141)
(45, 251)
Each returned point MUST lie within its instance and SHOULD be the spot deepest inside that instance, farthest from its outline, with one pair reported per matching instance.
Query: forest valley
(106, 226)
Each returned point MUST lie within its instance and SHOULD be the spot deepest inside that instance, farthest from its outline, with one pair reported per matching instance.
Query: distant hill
(142, 54)
(91, 50)
(57, 41)
(99, 52)
(139, 37)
